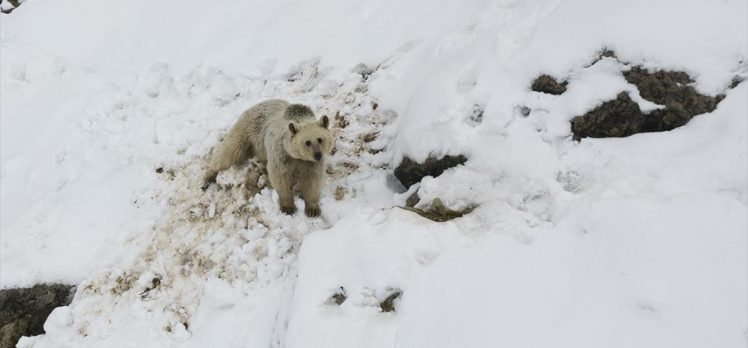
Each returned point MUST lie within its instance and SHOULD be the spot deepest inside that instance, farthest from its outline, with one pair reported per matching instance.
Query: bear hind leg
(226, 154)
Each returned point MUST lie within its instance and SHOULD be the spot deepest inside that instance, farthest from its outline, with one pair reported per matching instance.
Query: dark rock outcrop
(388, 304)
(412, 200)
(619, 117)
(13, 5)
(622, 117)
(337, 298)
(409, 172)
(547, 84)
(736, 81)
(438, 212)
(23, 311)
(674, 90)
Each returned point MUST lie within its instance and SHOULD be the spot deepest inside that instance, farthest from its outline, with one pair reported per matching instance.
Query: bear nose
(318, 156)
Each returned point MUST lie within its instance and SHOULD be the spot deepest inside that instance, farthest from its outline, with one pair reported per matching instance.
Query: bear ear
(292, 128)
(324, 121)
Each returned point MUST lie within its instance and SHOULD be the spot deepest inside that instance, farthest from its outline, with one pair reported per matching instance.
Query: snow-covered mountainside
(109, 110)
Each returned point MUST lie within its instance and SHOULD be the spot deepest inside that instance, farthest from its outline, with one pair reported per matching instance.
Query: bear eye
(319, 140)
(308, 143)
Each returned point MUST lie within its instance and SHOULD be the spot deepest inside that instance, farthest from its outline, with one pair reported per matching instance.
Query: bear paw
(288, 209)
(312, 211)
(205, 186)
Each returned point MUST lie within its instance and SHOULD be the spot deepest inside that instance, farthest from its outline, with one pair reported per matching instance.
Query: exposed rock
(438, 212)
(412, 200)
(547, 84)
(364, 70)
(409, 172)
(12, 5)
(736, 81)
(615, 118)
(622, 117)
(23, 311)
(388, 305)
(673, 90)
(604, 53)
(337, 298)
(607, 53)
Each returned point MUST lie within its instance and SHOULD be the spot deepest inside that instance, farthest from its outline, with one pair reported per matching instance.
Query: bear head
(310, 141)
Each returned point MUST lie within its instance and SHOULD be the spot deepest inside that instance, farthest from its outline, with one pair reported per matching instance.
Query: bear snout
(318, 156)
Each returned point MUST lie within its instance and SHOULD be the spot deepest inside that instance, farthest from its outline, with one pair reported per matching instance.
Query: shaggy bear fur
(292, 143)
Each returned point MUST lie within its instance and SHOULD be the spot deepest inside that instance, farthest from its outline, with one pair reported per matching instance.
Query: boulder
(23, 311)
(410, 172)
(622, 117)
(547, 84)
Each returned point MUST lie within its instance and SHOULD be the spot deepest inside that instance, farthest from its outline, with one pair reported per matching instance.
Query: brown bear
(292, 143)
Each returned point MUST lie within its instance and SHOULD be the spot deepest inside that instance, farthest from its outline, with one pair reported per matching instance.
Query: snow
(107, 121)
(243, 37)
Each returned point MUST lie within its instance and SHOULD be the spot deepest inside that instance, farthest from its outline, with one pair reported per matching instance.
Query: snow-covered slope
(108, 110)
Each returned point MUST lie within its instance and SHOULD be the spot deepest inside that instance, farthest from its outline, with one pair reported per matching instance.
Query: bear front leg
(311, 184)
(209, 178)
(280, 179)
